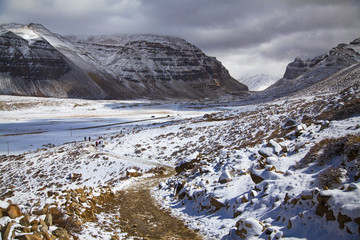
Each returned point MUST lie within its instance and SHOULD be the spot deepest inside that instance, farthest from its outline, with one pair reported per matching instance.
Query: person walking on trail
(89, 139)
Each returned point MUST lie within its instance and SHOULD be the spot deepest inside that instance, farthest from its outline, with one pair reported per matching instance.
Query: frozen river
(28, 123)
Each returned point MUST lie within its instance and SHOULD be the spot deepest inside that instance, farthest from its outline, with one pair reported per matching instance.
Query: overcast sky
(248, 37)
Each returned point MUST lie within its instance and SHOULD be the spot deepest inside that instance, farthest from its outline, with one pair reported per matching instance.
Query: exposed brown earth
(141, 218)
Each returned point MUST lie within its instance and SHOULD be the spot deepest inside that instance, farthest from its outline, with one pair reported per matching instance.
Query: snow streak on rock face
(117, 66)
(160, 65)
(33, 59)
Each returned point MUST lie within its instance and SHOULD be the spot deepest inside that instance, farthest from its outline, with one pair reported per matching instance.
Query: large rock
(25, 221)
(225, 177)
(249, 228)
(13, 211)
(60, 232)
(216, 203)
(7, 233)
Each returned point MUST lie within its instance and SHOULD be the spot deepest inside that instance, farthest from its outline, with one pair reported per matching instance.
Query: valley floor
(282, 169)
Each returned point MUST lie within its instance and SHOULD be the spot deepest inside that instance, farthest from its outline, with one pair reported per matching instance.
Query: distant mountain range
(258, 82)
(37, 62)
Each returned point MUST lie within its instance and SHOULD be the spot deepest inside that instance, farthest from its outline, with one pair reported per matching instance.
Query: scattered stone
(256, 179)
(44, 227)
(7, 232)
(48, 220)
(60, 232)
(225, 177)
(289, 224)
(323, 208)
(277, 148)
(299, 130)
(342, 219)
(266, 152)
(89, 215)
(290, 123)
(25, 221)
(248, 228)
(46, 236)
(306, 195)
(13, 211)
(132, 173)
(214, 202)
(2, 212)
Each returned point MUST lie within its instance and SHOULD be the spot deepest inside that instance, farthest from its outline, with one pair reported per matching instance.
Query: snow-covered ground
(263, 171)
(28, 123)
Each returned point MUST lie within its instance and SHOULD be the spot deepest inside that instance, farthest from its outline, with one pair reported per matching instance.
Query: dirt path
(140, 217)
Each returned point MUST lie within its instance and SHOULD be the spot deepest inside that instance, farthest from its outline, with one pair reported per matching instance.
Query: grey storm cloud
(248, 36)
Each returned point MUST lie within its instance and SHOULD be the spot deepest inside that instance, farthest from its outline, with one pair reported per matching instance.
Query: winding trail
(141, 218)
(138, 214)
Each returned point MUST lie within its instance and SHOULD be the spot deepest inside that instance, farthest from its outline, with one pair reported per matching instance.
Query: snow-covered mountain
(258, 82)
(301, 74)
(35, 61)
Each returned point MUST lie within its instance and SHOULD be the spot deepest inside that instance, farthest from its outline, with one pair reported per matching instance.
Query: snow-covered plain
(29, 123)
(243, 171)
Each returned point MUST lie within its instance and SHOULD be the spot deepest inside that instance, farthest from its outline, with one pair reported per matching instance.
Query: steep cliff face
(30, 59)
(158, 63)
(34, 61)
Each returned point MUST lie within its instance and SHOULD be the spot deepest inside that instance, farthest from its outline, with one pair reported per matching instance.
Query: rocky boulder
(13, 211)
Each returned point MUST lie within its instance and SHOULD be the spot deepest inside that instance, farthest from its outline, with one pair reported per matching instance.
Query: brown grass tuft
(61, 219)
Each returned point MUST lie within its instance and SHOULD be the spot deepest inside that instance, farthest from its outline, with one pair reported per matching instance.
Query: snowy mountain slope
(35, 61)
(258, 82)
(157, 62)
(279, 169)
(301, 74)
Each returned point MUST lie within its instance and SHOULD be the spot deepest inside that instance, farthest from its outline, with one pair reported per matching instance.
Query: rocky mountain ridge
(37, 62)
(303, 74)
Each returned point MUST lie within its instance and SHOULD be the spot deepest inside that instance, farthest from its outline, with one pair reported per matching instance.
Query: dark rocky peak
(300, 66)
(339, 57)
(25, 54)
(355, 42)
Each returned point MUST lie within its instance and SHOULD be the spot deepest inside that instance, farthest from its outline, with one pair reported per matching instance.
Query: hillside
(37, 62)
(301, 74)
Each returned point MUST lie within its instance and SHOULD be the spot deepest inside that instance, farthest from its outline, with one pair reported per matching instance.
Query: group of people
(97, 143)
